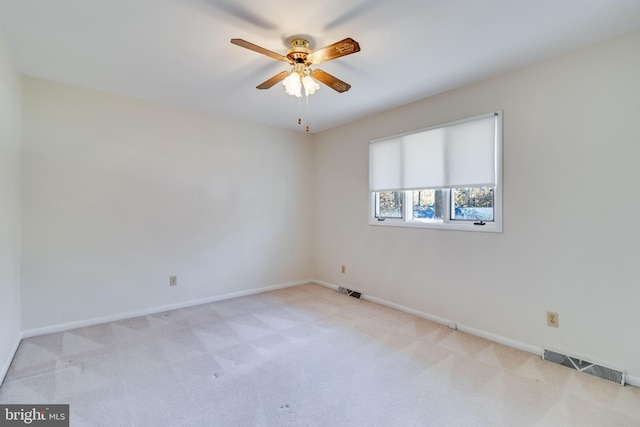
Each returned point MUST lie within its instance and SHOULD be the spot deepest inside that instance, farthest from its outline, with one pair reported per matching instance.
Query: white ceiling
(178, 51)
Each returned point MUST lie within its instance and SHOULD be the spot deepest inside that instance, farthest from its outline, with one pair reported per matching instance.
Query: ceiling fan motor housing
(299, 51)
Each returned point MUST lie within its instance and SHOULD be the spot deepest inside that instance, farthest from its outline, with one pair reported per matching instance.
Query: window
(447, 176)
(389, 204)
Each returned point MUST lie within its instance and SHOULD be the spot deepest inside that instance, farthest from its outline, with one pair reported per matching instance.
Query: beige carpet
(303, 356)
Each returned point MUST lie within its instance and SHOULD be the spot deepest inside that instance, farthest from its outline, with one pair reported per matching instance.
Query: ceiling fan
(301, 57)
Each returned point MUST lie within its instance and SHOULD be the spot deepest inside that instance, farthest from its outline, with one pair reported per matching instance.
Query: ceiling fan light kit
(301, 57)
(295, 81)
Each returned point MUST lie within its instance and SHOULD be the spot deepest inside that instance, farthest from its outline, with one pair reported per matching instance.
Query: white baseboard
(325, 284)
(12, 353)
(631, 380)
(528, 348)
(61, 327)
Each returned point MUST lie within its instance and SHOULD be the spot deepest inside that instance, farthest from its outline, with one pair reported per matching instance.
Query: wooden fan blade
(273, 80)
(256, 48)
(331, 81)
(336, 50)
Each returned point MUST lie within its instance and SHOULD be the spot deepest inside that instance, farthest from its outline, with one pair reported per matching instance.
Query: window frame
(447, 223)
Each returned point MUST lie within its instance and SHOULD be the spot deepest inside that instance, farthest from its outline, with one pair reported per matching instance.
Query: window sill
(488, 227)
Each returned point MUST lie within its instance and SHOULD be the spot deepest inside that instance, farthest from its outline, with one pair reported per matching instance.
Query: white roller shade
(459, 154)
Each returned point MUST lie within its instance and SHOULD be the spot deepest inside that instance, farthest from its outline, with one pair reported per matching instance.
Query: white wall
(571, 152)
(10, 128)
(119, 194)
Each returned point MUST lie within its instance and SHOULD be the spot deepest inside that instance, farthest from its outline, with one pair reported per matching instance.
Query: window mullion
(446, 195)
(407, 205)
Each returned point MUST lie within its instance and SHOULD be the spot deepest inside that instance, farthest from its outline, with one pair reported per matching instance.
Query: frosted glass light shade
(310, 85)
(293, 85)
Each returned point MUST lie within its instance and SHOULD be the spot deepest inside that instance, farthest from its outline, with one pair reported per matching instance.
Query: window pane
(428, 204)
(472, 204)
(389, 204)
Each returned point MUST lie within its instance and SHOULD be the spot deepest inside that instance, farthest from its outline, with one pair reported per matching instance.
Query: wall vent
(610, 374)
(349, 292)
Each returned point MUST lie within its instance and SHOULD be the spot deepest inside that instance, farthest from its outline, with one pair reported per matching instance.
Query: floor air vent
(614, 375)
(349, 292)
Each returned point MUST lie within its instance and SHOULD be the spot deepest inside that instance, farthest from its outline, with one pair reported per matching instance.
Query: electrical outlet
(173, 280)
(343, 269)
(552, 319)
